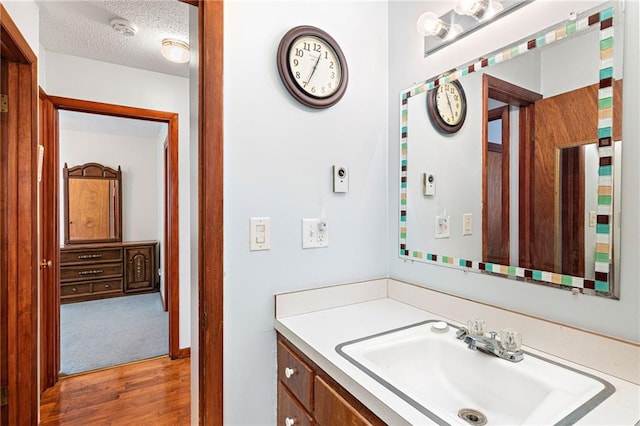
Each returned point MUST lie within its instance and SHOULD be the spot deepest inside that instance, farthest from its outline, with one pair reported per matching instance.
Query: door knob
(44, 263)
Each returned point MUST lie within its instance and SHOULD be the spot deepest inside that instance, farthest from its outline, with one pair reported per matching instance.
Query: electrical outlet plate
(315, 233)
(442, 227)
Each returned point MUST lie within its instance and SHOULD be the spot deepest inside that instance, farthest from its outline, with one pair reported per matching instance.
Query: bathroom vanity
(314, 325)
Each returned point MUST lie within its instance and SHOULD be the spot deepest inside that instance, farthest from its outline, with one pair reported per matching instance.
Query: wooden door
(49, 247)
(561, 122)
(496, 243)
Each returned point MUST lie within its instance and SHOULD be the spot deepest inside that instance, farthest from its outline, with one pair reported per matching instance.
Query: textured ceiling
(82, 28)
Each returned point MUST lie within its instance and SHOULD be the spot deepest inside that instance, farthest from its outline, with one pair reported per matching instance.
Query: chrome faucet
(508, 347)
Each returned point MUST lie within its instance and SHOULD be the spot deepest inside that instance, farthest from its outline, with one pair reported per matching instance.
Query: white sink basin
(440, 376)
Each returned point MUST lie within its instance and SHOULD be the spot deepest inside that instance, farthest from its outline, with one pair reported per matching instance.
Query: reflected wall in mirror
(92, 204)
(527, 183)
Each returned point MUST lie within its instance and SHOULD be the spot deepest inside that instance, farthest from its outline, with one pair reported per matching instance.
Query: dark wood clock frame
(432, 110)
(286, 74)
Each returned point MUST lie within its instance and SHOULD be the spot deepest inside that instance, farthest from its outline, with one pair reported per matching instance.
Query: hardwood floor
(154, 392)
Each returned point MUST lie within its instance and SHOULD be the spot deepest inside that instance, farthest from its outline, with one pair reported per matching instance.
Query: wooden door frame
(18, 234)
(50, 303)
(210, 215)
(210, 245)
(511, 94)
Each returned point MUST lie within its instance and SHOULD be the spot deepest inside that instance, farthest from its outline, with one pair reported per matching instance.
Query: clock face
(447, 107)
(449, 103)
(314, 66)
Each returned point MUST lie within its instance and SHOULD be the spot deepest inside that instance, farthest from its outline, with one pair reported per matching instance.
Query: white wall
(407, 65)
(137, 158)
(80, 78)
(277, 163)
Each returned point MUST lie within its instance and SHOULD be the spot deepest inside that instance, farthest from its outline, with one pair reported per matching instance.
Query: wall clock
(312, 67)
(447, 107)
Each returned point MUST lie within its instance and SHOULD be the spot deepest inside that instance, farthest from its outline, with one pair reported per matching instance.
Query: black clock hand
(314, 68)
(449, 103)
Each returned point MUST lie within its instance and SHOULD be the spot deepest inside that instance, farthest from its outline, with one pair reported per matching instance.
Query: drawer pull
(289, 421)
(73, 289)
(91, 272)
(288, 372)
(90, 256)
(106, 286)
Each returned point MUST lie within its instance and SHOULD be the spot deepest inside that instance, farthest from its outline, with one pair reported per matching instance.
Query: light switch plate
(259, 233)
(467, 224)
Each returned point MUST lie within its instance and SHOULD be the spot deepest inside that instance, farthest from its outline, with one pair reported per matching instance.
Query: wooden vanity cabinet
(309, 396)
(101, 270)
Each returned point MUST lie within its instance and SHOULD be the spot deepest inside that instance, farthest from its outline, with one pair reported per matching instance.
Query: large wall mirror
(92, 204)
(528, 187)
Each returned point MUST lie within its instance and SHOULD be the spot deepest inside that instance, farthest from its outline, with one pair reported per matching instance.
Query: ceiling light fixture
(466, 17)
(124, 27)
(175, 50)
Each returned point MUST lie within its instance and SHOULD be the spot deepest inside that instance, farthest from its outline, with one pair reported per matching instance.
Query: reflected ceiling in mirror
(416, 229)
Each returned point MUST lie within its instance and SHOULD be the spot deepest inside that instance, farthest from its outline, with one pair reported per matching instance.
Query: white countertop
(318, 331)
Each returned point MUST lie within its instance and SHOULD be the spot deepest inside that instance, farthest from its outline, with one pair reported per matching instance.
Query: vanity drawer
(296, 376)
(110, 286)
(289, 409)
(73, 290)
(93, 256)
(87, 272)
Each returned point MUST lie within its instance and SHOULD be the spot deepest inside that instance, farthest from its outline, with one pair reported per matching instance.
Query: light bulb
(430, 25)
(475, 8)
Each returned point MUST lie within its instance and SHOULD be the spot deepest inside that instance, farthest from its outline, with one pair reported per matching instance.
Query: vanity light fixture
(175, 50)
(466, 17)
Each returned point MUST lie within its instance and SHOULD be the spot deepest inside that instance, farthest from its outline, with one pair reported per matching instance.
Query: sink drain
(473, 417)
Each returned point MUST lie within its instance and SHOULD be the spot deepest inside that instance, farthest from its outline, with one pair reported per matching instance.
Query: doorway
(22, 396)
(50, 306)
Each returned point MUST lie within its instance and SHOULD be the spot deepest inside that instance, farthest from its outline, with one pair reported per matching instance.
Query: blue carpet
(103, 333)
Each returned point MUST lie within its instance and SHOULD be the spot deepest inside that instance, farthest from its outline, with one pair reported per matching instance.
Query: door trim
(18, 226)
(171, 266)
(210, 215)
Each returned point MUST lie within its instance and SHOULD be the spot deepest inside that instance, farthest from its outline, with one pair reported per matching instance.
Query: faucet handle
(476, 327)
(510, 339)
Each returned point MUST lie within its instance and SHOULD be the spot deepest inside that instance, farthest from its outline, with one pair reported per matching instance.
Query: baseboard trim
(184, 353)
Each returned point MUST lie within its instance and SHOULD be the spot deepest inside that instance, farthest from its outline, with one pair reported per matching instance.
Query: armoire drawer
(90, 256)
(87, 272)
(72, 290)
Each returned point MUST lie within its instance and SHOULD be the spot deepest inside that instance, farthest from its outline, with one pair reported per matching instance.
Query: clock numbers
(448, 103)
(312, 63)
(312, 66)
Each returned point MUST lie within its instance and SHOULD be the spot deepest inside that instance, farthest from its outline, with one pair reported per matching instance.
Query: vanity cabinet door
(333, 409)
(139, 268)
(296, 376)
